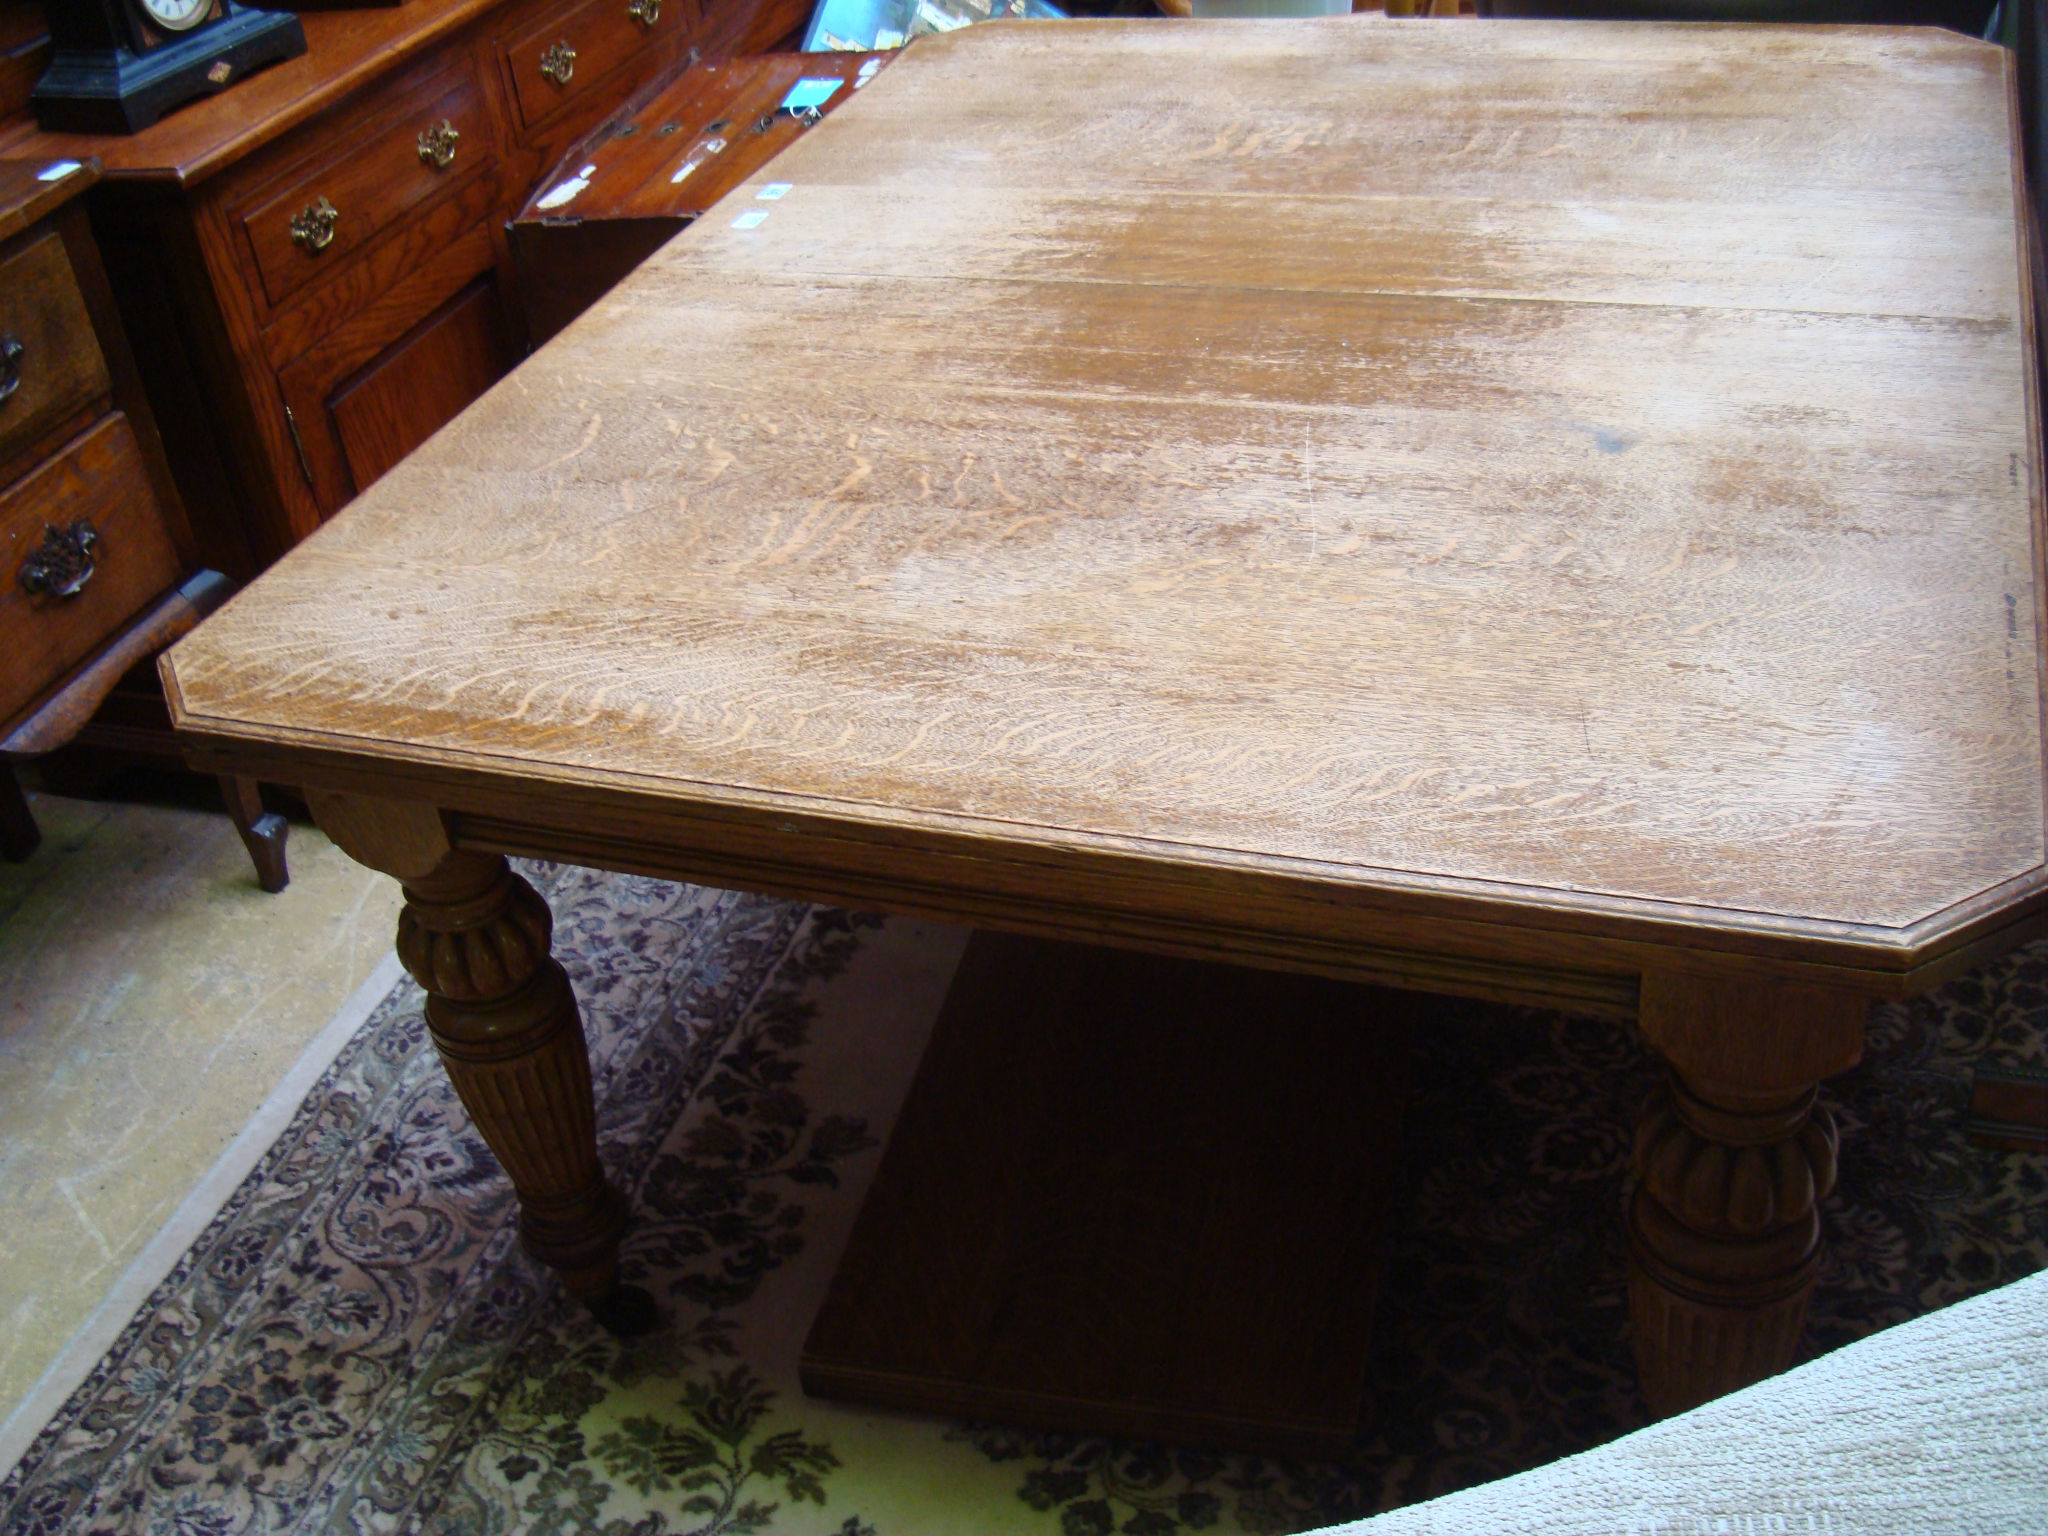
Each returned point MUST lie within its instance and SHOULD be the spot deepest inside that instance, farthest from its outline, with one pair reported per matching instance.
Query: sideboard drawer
(375, 172)
(561, 57)
(101, 481)
(50, 361)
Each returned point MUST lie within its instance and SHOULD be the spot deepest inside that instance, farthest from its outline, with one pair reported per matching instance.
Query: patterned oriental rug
(357, 1343)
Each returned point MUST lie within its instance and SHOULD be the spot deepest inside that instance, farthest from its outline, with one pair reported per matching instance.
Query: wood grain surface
(1566, 467)
(57, 368)
(26, 197)
(98, 477)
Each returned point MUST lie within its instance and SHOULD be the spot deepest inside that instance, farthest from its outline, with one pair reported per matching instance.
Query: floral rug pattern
(357, 1343)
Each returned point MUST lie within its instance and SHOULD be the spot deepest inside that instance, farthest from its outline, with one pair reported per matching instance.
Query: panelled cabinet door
(416, 387)
(355, 412)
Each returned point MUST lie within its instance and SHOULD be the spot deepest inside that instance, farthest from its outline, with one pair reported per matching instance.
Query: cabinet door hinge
(305, 465)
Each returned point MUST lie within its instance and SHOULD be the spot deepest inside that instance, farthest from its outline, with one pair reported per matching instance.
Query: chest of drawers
(97, 561)
(87, 532)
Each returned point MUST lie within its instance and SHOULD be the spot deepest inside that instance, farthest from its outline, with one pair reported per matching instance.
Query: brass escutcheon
(646, 12)
(313, 226)
(559, 63)
(437, 145)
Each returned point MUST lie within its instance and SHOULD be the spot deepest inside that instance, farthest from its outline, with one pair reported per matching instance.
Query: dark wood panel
(666, 123)
(562, 268)
(52, 354)
(19, 835)
(75, 228)
(755, 136)
(101, 478)
(1130, 1195)
(182, 361)
(2009, 1109)
(24, 53)
(706, 129)
(407, 395)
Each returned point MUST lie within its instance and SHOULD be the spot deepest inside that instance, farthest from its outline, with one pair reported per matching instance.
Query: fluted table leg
(1732, 1160)
(505, 1022)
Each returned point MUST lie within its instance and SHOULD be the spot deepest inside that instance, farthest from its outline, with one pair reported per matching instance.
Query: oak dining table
(1540, 512)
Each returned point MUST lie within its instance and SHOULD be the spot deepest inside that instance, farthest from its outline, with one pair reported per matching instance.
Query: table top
(1561, 473)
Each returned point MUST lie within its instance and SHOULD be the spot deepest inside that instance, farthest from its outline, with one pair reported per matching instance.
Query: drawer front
(563, 56)
(50, 360)
(378, 168)
(98, 481)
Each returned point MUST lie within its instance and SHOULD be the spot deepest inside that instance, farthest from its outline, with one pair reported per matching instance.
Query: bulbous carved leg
(1732, 1159)
(1724, 1239)
(505, 1023)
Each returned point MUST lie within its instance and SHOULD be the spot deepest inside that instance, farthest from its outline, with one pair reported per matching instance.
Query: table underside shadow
(1130, 1195)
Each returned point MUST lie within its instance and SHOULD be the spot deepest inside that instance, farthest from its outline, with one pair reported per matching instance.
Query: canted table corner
(1547, 512)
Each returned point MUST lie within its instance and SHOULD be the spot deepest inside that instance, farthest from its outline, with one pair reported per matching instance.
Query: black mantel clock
(116, 66)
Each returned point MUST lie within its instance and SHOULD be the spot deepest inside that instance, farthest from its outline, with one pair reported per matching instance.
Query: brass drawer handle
(313, 227)
(64, 563)
(559, 63)
(11, 354)
(646, 12)
(437, 145)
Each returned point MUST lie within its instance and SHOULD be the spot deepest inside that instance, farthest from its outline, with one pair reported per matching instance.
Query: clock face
(176, 15)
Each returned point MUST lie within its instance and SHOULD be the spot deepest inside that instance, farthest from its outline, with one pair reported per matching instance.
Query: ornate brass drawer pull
(64, 563)
(646, 12)
(437, 145)
(313, 226)
(11, 354)
(559, 63)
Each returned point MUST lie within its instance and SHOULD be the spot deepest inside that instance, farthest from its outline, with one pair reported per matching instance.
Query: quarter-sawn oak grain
(1589, 460)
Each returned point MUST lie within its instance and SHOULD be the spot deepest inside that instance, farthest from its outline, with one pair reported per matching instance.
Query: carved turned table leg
(505, 1022)
(1732, 1159)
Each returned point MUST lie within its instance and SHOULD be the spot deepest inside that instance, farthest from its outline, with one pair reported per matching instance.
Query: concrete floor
(151, 997)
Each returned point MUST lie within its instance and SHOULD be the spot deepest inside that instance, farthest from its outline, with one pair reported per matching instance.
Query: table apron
(1498, 951)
